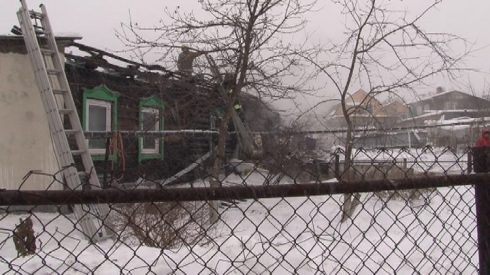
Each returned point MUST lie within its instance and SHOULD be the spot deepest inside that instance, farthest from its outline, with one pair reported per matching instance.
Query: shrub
(165, 225)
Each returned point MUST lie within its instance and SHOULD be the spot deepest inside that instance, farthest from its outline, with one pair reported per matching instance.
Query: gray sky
(97, 20)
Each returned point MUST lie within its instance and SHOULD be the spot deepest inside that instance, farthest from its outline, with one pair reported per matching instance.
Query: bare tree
(250, 40)
(385, 51)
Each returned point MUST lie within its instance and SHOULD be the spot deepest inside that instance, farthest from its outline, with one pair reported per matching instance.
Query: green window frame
(151, 107)
(99, 97)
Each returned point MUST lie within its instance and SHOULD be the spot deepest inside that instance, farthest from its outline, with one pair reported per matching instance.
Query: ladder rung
(38, 29)
(77, 152)
(36, 15)
(48, 52)
(53, 71)
(71, 132)
(65, 111)
(59, 91)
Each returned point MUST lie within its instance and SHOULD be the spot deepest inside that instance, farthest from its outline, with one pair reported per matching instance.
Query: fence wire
(410, 223)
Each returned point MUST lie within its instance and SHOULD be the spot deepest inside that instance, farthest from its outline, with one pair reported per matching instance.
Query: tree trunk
(351, 201)
(219, 158)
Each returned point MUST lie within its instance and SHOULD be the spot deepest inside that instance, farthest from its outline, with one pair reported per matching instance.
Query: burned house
(123, 109)
(151, 98)
(114, 98)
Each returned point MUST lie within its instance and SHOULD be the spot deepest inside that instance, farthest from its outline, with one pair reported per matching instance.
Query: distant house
(444, 108)
(435, 113)
(363, 109)
(446, 105)
(397, 111)
(366, 112)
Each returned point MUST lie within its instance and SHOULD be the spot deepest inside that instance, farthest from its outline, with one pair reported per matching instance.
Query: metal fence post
(106, 162)
(482, 199)
(337, 166)
(469, 161)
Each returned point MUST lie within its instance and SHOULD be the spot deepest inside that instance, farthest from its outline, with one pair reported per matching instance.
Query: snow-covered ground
(434, 234)
(435, 160)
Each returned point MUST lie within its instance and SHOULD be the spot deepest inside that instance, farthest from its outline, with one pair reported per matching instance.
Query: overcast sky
(97, 21)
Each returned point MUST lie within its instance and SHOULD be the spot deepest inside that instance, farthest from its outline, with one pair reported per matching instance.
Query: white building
(25, 141)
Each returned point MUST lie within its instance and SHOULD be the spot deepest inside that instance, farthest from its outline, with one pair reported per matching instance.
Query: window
(450, 106)
(370, 108)
(99, 114)
(150, 122)
(151, 118)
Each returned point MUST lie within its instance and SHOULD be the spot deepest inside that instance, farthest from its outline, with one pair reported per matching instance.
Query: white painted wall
(25, 142)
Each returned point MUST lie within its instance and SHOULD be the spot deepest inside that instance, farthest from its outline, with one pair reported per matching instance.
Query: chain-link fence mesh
(413, 211)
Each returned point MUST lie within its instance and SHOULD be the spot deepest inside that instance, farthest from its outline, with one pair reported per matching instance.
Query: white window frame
(370, 108)
(419, 111)
(156, 150)
(450, 105)
(108, 106)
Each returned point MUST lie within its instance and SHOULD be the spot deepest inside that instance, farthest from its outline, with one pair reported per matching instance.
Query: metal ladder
(64, 123)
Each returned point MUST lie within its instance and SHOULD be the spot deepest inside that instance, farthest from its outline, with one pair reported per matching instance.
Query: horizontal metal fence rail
(60, 197)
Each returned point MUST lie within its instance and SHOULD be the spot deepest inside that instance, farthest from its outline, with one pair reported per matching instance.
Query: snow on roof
(430, 96)
(463, 110)
(68, 35)
(360, 115)
(430, 113)
(61, 35)
(425, 97)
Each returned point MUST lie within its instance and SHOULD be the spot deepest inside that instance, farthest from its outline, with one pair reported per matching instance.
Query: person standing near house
(186, 59)
(481, 159)
(484, 140)
(238, 108)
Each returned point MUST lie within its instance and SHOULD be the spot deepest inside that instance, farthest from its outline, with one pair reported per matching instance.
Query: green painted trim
(102, 158)
(100, 93)
(142, 157)
(151, 102)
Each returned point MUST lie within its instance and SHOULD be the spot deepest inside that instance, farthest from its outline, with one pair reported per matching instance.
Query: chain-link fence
(410, 211)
